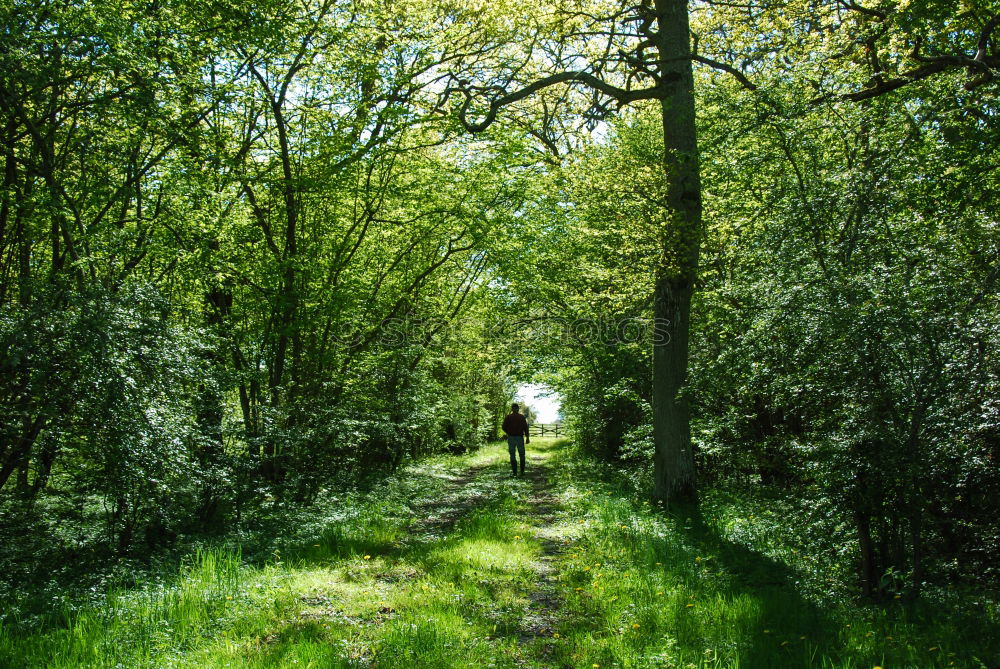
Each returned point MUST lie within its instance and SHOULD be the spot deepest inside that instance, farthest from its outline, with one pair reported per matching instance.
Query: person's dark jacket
(515, 424)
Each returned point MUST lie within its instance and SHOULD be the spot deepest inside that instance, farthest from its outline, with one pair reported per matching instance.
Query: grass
(563, 569)
(657, 590)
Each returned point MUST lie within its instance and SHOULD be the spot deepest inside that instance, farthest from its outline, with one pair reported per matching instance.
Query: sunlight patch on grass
(487, 556)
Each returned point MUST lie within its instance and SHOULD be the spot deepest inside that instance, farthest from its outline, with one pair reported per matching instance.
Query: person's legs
(520, 450)
(512, 447)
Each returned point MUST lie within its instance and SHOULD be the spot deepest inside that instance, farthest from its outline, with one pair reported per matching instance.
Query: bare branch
(882, 87)
(984, 37)
(985, 66)
(958, 60)
(740, 77)
(853, 6)
(621, 95)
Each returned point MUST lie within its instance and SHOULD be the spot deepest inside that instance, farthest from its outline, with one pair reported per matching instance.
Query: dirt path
(539, 625)
(484, 550)
(433, 520)
(470, 488)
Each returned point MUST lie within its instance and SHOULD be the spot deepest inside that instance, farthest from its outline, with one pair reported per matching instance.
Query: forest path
(530, 501)
(468, 576)
(527, 612)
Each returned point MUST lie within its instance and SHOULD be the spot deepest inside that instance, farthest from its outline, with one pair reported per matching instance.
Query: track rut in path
(538, 626)
(433, 520)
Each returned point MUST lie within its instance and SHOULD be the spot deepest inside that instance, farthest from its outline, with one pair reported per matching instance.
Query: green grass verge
(648, 589)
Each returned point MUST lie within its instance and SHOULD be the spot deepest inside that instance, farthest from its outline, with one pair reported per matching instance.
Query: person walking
(515, 426)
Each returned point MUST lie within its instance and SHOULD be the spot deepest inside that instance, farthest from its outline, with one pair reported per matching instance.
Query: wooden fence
(546, 430)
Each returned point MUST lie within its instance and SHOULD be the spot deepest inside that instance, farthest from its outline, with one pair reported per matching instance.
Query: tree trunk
(210, 406)
(868, 573)
(678, 266)
(673, 460)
